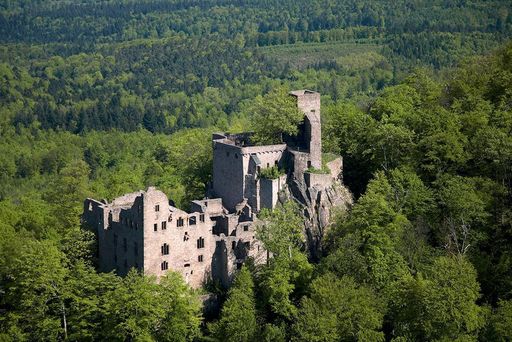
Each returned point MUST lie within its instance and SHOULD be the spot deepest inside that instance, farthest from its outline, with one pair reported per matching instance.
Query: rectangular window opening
(164, 249)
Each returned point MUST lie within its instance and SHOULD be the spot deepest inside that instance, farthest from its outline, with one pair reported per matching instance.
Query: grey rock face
(318, 202)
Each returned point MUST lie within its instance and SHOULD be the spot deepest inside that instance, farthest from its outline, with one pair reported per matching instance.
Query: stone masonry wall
(309, 103)
(182, 232)
(228, 174)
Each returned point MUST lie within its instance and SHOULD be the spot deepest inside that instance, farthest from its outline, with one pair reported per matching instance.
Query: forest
(101, 98)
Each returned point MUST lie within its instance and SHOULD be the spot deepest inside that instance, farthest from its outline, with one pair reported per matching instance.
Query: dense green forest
(100, 98)
(167, 65)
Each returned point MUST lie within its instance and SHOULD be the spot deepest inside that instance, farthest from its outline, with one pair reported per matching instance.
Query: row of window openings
(164, 266)
(165, 247)
(125, 245)
(180, 222)
(258, 168)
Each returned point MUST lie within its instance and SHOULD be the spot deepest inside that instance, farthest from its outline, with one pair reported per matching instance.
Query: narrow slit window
(164, 225)
(164, 266)
(165, 249)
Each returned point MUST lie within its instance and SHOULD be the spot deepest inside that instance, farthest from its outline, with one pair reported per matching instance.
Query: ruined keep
(142, 230)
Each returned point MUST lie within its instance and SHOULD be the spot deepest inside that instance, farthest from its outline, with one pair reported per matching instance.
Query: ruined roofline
(226, 140)
(101, 203)
(237, 139)
(248, 150)
(124, 201)
(301, 92)
(127, 201)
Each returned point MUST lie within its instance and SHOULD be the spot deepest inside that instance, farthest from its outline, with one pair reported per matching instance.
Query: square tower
(309, 102)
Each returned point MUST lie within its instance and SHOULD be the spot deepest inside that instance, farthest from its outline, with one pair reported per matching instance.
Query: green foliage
(339, 310)
(429, 160)
(500, 323)
(464, 211)
(441, 306)
(371, 234)
(238, 315)
(273, 333)
(182, 310)
(35, 290)
(140, 309)
(46, 271)
(281, 229)
(284, 282)
(189, 154)
(271, 173)
(275, 114)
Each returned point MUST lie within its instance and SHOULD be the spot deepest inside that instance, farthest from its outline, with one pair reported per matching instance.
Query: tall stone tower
(309, 102)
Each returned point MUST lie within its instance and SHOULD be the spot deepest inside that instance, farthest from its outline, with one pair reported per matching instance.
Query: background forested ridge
(166, 65)
(101, 98)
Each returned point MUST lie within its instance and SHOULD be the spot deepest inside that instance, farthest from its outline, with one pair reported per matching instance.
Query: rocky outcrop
(319, 196)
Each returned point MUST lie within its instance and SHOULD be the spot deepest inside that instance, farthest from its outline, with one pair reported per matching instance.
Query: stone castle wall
(228, 174)
(269, 192)
(142, 230)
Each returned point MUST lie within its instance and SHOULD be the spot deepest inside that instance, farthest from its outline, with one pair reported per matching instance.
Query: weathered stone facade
(142, 230)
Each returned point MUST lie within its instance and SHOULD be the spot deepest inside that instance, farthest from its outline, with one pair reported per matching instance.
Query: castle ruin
(142, 230)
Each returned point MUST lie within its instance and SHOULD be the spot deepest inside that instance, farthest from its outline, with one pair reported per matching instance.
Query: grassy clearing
(302, 55)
